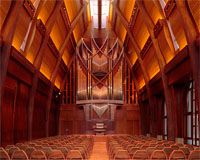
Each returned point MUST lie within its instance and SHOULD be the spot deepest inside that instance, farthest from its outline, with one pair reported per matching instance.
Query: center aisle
(99, 149)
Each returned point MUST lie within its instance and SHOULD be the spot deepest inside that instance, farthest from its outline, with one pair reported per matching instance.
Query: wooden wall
(127, 120)
(71, 120)
(15, 103)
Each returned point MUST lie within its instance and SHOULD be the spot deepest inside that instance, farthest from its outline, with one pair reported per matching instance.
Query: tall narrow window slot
(94, 12)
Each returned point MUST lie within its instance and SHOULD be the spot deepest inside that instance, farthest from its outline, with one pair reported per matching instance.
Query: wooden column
(161, 62)
(7, 33)
(191, 33)
(38, 61)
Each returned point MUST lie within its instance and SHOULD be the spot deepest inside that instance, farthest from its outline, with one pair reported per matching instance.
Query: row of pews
(125, 147)
(57, 147)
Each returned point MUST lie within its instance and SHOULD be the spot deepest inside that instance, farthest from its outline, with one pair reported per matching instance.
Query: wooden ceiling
(65, 22)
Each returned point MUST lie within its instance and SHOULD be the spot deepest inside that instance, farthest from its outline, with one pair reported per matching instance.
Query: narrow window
(191, 117)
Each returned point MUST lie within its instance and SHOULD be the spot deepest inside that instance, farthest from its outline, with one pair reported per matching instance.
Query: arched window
(191, 118)
(165, 122)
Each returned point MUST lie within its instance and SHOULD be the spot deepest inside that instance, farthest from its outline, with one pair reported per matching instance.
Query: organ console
(99, 128)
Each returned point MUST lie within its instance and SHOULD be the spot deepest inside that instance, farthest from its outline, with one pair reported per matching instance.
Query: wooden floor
(99, 150)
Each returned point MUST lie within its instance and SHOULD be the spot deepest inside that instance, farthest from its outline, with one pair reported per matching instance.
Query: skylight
(104, 12)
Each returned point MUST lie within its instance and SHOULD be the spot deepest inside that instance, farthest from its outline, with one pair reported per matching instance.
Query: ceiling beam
(7, 34)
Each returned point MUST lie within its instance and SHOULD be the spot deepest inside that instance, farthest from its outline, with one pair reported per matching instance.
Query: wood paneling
(46, 10)
(53, 118)
(19, 71)
(4, 8)
(140, 31)
(194, 8)
(14, 111)
(151, 63)
(127, 120)
(32, 52)
(73, 8)
(177, 29)
(21, 29)
(71, 120)
(126, 7)
(8, 105)
(20, 132)
(164, 47)
(39, 116)
(48, 63)
(139, 77)
(59, 31)
(60, 76)
(120, 30)
(153, 10)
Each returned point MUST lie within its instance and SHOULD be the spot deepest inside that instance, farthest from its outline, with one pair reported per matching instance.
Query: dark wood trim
(53, 48)
(41, 27)
(22, 60)
(136, 65)
(44, 79)
(146, 47)
(179, 58)
(29, 7)
(155, 79)
(158, 27)
(198, 40)
(171, 4)
(65, 16)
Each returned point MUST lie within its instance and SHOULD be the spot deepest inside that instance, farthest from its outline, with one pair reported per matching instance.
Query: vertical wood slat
(7, 31)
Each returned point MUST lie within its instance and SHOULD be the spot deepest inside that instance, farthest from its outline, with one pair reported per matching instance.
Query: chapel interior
(99, 79)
